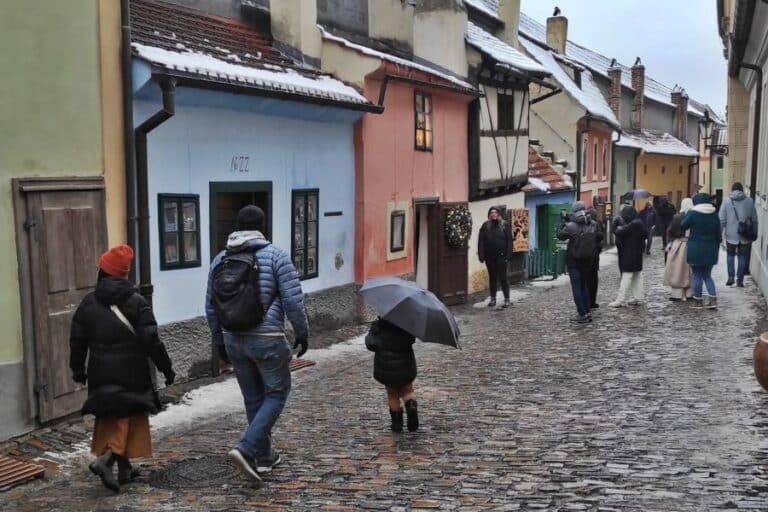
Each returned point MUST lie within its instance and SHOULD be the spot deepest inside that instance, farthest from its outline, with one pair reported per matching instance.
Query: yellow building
(62, 183)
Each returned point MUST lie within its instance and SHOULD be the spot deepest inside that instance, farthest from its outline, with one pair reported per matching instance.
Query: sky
(677, 40)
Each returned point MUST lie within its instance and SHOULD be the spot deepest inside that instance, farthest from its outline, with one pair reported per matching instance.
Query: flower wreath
(458, 226)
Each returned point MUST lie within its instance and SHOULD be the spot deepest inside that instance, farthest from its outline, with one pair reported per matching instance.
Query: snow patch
(501, 51)
(539, 184)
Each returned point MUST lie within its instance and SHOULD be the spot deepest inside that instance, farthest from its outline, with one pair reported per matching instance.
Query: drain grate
(298, 364)
(14, 472)
(198, 473)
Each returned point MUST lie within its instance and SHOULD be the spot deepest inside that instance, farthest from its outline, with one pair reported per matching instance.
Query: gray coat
(745, 207)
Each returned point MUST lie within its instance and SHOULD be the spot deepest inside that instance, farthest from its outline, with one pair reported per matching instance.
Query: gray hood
(580, 217)
(737, 195)
(241, 240)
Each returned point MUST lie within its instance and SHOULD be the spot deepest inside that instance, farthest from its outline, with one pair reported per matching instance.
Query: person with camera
(252, 287)
(583, 237)
(738, 217)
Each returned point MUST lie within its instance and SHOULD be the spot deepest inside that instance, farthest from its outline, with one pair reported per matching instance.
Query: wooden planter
(760, 360)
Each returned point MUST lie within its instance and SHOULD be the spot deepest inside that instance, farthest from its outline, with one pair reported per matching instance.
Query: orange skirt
(128, 436)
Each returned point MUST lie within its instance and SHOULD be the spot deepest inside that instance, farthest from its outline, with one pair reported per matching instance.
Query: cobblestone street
(650, 408)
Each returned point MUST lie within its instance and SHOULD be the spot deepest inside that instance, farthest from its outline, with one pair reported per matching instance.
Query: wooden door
(448, 263)
(65, 231)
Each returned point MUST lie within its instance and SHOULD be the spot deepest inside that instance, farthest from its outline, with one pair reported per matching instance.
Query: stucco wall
(738, 132)
(554, 123)
(391, 21)
(434, 35)
(598, 171)
(624, 169)
(651, 178)
(659, 117)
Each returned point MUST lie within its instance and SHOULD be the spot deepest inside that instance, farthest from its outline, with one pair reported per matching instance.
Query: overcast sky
(676, 39)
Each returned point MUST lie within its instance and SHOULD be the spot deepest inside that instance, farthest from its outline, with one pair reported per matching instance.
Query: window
(663, 169)
(605, 160)
(645, 169)
(423, 109)
(680, 170)
(506, 111)
(720, 162)
(629, 170)
(594, 162)
(397, 231)
(179, 231)
(306, 204)
(584, 144)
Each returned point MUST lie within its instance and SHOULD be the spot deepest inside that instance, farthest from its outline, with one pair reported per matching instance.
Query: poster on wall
(520, 223)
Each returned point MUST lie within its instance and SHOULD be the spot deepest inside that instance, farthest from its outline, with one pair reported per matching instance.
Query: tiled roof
(195, 44)
(502, 52)
(654, 142)
(544, 178)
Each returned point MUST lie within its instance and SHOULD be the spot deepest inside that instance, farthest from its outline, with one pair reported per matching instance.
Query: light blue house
(224, 120)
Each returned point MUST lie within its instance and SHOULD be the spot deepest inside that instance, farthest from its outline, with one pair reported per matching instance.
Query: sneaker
(582, 319)
(244, 464)
(729, 282)
(740, 284)
(492, 303)
(711, 303)
(616, 304)
(697, 303)
(595, 306)
(506, 304)
(635, 302)
(266, 466)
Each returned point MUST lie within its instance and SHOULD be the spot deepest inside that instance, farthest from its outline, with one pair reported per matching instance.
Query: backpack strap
(735, 211)
(119, 314)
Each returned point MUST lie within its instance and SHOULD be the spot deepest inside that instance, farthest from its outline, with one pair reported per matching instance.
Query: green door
(548, 218)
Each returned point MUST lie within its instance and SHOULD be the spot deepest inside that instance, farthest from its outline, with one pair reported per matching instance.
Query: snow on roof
(720, 136)
(599, 63)
(501, 51)
(396, 60)
(660, 143)
(588, 95)
(275, 78)
(488, 7)
(543, 177)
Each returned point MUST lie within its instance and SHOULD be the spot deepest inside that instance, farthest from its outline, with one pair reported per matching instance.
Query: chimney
(294, 28)
(614, 93)
(680, 100)
(638, 84)
(435, 24)
(557, 31)
(509, 12)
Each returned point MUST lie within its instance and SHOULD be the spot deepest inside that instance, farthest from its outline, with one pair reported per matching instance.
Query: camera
(564, 215)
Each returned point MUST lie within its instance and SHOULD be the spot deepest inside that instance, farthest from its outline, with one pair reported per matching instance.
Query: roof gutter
(756, 128)
(128, 140)
(421, 83)
(168, 87)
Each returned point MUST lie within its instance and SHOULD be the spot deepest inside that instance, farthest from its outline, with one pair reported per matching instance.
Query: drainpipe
(128, 140)
(695, 162)
(168, 87)
(756, 128)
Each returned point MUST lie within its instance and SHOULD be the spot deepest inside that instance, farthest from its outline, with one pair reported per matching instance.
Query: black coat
(394, 363)
(494, 240)
(119, 374)
(631, 234)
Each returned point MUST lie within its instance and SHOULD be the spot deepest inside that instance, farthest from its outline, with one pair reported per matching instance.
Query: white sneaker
(635, 302)
(243, 464)
(616, 304)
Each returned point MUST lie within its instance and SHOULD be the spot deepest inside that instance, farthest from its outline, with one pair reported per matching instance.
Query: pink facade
(389, 168)
(596, 158)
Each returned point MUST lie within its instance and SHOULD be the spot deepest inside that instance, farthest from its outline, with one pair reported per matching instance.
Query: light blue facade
(532, 201)
(285, 143)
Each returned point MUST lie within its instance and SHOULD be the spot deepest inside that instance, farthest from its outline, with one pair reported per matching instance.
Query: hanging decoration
(458, 227)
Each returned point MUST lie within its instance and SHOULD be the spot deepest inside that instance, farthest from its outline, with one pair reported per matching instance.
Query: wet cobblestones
(650, 408)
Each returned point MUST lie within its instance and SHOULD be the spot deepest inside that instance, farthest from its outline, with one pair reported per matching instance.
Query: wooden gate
(61, 230)
(449, 263)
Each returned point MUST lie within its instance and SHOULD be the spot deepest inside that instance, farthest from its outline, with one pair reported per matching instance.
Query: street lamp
(706, 128)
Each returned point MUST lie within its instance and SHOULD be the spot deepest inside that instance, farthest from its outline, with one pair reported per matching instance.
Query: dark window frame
(605, 160)
(179, 199)
(720, 162)
(422, 100)
(392, 216)
(584, 155)
(663, 169)
(680, 169)
(303, 195)
(505, 112)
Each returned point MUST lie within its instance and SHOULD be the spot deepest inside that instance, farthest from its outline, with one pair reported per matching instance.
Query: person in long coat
(631, 235)
(394, 365)
(494, 247)
(677, 272)
(115, 329)
(703, 248)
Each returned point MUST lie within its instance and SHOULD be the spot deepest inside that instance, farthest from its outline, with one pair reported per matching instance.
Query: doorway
(423, 218)
(226, 200)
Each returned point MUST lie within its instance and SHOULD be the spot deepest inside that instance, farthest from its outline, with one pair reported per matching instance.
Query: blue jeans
(742, 251)
(261, 367)
(703, 275)
(578, 278)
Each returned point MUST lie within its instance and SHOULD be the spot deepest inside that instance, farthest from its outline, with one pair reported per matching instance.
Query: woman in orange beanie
(114, 327)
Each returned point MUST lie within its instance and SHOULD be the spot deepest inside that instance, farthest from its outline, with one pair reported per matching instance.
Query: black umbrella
(638, 193)
(412, 308)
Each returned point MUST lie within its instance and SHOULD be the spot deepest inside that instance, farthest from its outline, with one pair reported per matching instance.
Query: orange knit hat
(117, 261)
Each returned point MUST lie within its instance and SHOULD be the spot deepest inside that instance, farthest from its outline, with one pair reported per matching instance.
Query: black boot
(412, 411)
(126, 473)
(102, 467)
(492, 303)
(397, 421)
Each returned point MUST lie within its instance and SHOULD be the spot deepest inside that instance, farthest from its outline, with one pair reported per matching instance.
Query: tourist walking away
(677, 272)
(631, 234)
(738, 218)
(648, 216)
(703, 246)
(665, 213)
(583, 236)
(394, 366)
(252, 287)
(494, 247)
(115, 330)
(593, 274)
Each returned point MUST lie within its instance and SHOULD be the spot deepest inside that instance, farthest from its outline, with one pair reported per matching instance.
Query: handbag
(746, 228)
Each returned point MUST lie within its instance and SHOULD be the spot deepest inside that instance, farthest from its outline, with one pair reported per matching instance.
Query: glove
(80, 378)
(304, 345)
(170, 376)
(223, 354)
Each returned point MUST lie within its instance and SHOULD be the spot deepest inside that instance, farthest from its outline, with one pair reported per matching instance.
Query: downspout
(756, 128)
(168, 87)
(128, 140)
(696, 162)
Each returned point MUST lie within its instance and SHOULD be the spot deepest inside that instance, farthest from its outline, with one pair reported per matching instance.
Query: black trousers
(497, 274)
(591, 275)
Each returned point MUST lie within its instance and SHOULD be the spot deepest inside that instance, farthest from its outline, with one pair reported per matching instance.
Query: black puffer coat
(631, 234)
(394, 364)
(119, 374)
(494, 241)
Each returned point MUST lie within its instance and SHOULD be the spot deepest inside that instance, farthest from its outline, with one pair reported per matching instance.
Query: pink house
(595, 164)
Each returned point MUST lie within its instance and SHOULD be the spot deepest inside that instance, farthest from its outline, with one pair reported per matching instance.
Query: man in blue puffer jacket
(260, 356)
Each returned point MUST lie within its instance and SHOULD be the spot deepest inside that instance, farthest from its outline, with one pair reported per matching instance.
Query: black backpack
(236, 292)
(585, 244)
